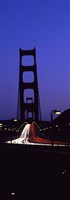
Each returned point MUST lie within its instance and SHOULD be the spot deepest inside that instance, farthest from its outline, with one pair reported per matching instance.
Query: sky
(45, 25)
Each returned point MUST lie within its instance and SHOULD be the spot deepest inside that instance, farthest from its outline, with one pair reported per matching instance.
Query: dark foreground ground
(34, 172)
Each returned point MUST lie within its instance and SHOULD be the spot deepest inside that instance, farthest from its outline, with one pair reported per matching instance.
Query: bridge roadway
(29, 135)
(35, 168)
(38, 169)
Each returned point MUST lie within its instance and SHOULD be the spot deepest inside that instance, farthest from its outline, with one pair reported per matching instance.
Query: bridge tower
(29, 105)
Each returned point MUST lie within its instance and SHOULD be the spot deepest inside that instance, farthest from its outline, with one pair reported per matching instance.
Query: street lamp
(57, 112)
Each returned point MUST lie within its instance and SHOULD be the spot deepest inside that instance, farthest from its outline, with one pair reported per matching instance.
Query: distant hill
(63, 118)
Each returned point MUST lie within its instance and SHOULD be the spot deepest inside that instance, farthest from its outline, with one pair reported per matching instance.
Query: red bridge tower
(29, 105)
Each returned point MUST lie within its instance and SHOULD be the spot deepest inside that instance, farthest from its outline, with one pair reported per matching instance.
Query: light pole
(57, 112)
